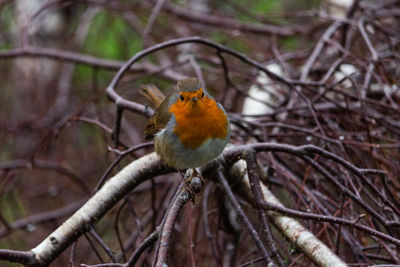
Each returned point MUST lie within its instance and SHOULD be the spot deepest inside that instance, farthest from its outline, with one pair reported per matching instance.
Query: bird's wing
(161, 116)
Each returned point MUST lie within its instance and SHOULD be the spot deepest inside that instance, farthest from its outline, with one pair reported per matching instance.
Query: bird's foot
(193, 182)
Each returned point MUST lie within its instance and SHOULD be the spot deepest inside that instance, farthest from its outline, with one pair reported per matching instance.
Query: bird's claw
(193, 182)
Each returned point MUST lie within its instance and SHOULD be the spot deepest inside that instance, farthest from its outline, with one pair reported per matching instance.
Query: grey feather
(189, 85)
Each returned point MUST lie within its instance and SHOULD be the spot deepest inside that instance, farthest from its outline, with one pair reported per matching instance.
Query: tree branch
(310, 245)
(87, 216)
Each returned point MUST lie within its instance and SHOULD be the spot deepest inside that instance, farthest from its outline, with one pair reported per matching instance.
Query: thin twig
(246, 222)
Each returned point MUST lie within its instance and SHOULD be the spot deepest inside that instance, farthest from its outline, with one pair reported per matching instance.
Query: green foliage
(261, 7)
(12, 244)
(289, 43)
(6, 22)
(11, 205)
(84, 75)
(7, 147)
(89, 136)
(110, 37)
(256, 8)
(226, 39)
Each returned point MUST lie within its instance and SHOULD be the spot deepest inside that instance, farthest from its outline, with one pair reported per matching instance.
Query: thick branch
(23, 257)
(150, 166)
(97, 206)
(309, 244)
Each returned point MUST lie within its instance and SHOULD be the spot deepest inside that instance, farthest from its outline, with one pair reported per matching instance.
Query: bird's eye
(182, 98)
(202, 94)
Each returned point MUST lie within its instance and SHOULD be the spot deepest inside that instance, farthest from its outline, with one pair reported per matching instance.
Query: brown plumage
(159, 119)
(152, 93)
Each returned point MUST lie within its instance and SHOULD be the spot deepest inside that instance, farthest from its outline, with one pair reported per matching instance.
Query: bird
(188, 126)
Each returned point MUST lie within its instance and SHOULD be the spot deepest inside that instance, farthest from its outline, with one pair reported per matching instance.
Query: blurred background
(58, 57)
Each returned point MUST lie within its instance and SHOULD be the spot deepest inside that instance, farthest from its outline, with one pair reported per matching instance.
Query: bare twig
(166, 232)
(246, 222)
(96, 207)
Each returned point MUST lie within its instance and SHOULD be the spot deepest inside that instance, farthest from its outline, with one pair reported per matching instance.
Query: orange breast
(198, 121)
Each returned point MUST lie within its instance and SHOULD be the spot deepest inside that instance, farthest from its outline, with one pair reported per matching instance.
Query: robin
(189, 127)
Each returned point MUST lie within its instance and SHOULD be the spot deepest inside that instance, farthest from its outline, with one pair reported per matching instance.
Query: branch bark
(306, 241)
(87, 216)
(149, 166)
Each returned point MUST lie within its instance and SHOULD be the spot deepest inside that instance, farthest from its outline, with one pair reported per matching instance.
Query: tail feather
(151, 92)
(157, 121)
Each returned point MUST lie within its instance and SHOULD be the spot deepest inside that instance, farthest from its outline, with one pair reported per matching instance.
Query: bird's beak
(194, 99)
